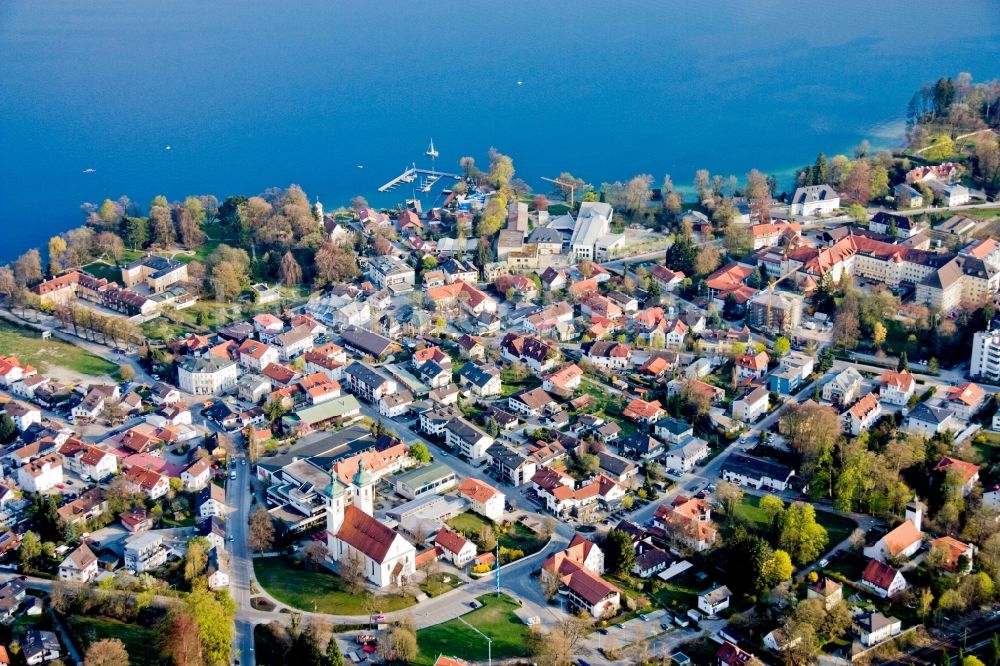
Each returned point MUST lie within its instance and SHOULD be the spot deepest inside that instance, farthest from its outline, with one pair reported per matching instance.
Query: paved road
(238, 495)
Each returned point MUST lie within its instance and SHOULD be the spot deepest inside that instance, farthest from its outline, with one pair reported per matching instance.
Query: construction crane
(571, 186)
(770, 293)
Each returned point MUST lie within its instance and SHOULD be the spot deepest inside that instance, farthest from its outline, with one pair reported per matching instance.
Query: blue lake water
(253, 94)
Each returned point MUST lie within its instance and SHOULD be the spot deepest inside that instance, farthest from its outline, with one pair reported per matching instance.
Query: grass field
(436, 584)
(517, 536)
(837, 527)
(29, 347)
(680, 593)
(495, 618)
(604, 405)
(140, 641)
(100, 269)
(318, 590)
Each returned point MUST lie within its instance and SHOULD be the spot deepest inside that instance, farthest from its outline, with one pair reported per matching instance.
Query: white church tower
(335, 505)
(915, 513)
(363, 489)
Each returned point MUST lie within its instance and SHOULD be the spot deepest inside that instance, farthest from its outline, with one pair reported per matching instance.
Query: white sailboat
(431, 152)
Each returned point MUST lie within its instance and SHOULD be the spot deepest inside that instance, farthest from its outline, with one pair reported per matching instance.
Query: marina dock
(413, 173)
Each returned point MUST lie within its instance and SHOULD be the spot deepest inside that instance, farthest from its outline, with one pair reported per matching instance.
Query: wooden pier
(411, 174)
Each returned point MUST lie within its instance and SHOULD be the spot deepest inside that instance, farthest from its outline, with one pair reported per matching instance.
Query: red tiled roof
(477, 490)
(365, 534)
(879, 574)
(901, 381)
(968, 393)
(865, 406)
(450, 541)
(966, 469)
(728, 278)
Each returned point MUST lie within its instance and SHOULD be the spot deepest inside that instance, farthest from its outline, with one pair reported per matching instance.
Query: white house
(882, 579)
(256, 355)
(41, 474)
(896, 388)
(844, 388)
(752, 406)
(197, 475)
(218, 569)
(295, 342)
(454, 547)
(145, 552)
(467, 439)
(927, 421)
(714, 601)
(862, 415)
(80, 566)
(23, 414)
(875, 628)
(483, 498)
(684, 457)
(211, 501)
(207, 375)
(813, 200)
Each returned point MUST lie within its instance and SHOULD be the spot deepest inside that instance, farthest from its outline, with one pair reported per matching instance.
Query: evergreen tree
(819, 171)
(682, 254)
(904, 363)
(333, 654)
(7, 429)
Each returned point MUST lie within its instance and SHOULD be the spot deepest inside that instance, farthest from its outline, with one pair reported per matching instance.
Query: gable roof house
(687, 521)
(510, 466)
(965, 473)
(882, 579)
(896, 388)
(814, 200)
(531, 402)
(583, 587)
(480, 380)
(752, 406)
(861, 415)
(643, 411)
(609, 355)
(483, 498)
(844, 388)
(756, 472)
(80, 566)
(539, 355)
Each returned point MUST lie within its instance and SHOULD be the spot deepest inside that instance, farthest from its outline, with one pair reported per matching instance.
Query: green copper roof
(363, 477)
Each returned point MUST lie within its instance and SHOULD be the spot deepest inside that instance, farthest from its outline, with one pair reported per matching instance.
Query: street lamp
(489, 641)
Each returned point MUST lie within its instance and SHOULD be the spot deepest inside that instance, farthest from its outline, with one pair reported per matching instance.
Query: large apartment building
(985, 362)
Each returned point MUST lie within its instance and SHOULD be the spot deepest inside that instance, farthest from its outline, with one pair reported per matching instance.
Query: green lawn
(140, 641)
(495, 618)
(680, 593)
(29, 347)
(318, 590)
(517, 536)
(604, 405)
(987, 445)
(436, 584)
(101, 269)
(837, 527)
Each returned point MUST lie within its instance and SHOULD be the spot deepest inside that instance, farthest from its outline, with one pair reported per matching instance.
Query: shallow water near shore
(139, 97)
